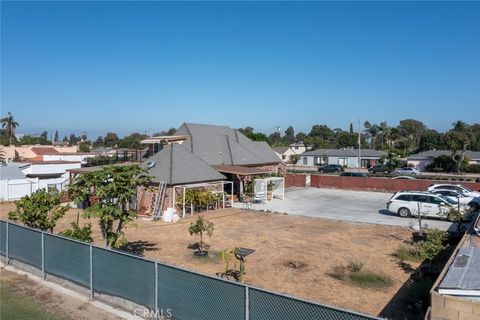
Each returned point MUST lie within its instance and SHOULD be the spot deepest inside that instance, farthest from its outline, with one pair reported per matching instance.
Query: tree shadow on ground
(139, 247)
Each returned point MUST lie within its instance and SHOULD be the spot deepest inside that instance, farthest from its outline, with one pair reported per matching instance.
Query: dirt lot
(318, 245)
(48, 301)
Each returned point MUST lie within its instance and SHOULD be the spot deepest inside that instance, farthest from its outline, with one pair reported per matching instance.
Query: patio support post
(183, 215)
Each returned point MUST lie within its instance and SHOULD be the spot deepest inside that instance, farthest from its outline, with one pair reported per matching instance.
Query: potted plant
(199, 227)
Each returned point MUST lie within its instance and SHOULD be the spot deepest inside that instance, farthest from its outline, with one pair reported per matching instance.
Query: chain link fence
(172, 292)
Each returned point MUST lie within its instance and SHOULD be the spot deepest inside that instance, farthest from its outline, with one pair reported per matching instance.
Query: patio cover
(239, 170)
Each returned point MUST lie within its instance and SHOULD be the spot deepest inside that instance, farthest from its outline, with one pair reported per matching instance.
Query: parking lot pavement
(355, 206)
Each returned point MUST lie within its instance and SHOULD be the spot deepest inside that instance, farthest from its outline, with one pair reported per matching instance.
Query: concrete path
(355, 206)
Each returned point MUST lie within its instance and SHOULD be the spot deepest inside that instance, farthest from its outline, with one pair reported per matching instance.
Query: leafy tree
(289, 136)
(391, 160)
(111, 139)
(430, 248)
(321, 131)
(411, 130)
(372, 131)
(84, 146)
(300, 136)
(99, 142)
(199, 227)
(55, 138)
(443, 163)
(28, 139)
(9, 125)
(458, 142)
(347, 139)
(40, 210)
(274, 139)
(73, 140)
(114, 186)
(351, 128)
(431, 140)
(44, 135)
(75, 232)
(132, 141)
(65, 139)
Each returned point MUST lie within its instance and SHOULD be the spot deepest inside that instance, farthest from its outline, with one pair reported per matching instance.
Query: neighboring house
(286, 153)
(14, 184)
(347, 157)
(27, 152)
(423, 159)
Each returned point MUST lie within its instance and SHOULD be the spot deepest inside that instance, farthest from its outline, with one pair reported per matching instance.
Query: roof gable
(175, 165)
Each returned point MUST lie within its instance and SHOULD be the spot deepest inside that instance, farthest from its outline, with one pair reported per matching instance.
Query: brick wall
(444, 307)
(146, 197)
(359, 183)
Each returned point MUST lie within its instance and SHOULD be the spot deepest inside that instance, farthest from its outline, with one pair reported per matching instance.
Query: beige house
(28, 152)
(286, 153)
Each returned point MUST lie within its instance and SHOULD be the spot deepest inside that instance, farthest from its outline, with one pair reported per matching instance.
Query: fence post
(7, 258)
(156, 287)
(43, 255)
(247, 304)
(91, 273)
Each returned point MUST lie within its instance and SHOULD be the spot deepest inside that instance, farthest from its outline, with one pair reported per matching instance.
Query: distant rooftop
(345, 152)
(164, 139)
(431, 154)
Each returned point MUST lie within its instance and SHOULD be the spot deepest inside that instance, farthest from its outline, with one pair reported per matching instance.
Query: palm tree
(9, 124)
(385, 130)
(372, 130)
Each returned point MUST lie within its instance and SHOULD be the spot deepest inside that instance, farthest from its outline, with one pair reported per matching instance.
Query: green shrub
(83, 234)
(408, 252)
(355, 266)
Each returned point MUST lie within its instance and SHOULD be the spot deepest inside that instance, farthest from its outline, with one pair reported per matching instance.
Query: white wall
(17, 188)
(51, 168)
(67, 157)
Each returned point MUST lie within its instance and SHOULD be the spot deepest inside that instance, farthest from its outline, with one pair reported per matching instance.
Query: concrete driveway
(355, 206)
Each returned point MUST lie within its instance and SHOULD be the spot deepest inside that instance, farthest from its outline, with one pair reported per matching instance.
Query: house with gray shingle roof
(423, 159)
(347, 157)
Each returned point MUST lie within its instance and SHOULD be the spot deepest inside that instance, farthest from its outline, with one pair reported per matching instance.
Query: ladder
(158, 205)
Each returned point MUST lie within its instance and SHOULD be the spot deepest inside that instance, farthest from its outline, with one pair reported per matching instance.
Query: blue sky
(136, 66)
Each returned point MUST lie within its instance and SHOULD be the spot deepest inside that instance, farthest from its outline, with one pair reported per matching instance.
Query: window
(296, 147)
(403, 197)
(420, 198)
(435, 200)
(284, 157)
(304, 161)
(316, 161)
(342, 161)
(364, 163)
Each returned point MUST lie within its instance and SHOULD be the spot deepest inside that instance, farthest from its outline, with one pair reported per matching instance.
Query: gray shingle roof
(280, 150)
(176, 165)
(11, 172)
(344, 153)
(463, 274)
(223, 145)
(430, 154)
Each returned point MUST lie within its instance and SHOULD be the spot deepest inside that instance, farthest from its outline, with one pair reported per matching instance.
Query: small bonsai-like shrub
(199, 227)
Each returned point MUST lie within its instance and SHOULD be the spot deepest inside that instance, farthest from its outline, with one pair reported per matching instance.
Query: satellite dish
(150, 164)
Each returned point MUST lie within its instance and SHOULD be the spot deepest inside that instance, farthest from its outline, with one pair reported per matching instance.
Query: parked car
(407, 204)
(353, 174)
(457, 187)
(379, 169)
(404, 177)
(407, 171)
(336, 168)
(472, 202)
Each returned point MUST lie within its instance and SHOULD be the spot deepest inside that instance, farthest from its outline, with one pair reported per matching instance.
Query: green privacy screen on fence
(3, 237)
(124, 276)
(184, 294)
(193, 296)
(266, 306)
(25, 245)
(67, 259)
